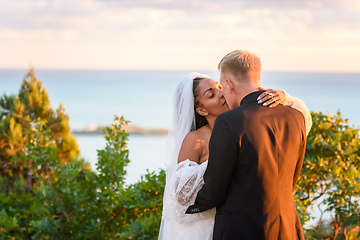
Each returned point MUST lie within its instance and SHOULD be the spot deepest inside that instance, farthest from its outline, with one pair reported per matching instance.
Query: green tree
(330, 178)
(17, 116)
(70, 201)
(79, 204)
(22, 213)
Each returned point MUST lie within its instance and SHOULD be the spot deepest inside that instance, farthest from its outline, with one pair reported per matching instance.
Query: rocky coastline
(132, 130)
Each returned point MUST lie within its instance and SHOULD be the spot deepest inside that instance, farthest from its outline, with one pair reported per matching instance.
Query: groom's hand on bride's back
(271, 97)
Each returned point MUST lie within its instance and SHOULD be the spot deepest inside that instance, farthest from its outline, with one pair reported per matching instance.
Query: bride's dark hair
(199, 120)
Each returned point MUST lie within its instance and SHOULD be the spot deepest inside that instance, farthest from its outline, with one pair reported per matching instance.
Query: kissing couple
(235, 154)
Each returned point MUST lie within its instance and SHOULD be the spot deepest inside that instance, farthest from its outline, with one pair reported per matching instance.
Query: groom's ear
(201, 111)
(231, 85)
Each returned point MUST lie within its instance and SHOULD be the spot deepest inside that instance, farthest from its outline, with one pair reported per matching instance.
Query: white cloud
(150, 35)
(226, 4)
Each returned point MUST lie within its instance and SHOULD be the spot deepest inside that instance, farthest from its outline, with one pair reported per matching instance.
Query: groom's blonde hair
(240, 62)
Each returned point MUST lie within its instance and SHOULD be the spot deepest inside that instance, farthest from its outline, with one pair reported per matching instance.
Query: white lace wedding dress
(180, 193)
(182, 188)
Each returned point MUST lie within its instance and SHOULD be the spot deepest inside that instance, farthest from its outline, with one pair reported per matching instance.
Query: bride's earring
(201, 112)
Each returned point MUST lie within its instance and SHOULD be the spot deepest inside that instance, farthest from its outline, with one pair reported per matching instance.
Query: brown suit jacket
(256, 155)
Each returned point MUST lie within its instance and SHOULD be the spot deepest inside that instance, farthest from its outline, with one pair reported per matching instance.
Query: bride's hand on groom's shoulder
(271, 97)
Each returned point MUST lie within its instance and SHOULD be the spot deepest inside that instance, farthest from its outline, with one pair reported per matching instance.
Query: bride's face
(211, 98)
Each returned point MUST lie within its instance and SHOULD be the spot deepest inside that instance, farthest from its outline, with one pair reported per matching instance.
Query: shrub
(76, 203)
(330, 178)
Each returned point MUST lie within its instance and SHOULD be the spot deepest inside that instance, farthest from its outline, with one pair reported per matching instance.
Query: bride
(198, 100)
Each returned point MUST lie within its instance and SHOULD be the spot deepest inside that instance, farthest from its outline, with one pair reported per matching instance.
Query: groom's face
(226, 88)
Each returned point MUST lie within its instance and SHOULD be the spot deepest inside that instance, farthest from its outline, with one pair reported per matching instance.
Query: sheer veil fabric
(183, 120)
(183, 180)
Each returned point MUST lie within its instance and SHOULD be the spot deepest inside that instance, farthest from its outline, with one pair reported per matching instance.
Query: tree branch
(67, 218)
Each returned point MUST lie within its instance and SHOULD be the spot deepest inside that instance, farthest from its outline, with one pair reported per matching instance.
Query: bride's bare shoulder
(191, 147)
(193, 135)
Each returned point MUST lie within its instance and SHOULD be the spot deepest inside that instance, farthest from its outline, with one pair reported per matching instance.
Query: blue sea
(145, 97)
(92, 97)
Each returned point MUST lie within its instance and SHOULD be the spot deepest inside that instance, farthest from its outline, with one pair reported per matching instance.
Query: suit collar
(251, 97)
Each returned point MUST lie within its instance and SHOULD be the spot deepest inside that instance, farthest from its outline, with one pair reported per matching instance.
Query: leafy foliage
(18, 115)
(76, 203)
(330, 179)
(143, 207)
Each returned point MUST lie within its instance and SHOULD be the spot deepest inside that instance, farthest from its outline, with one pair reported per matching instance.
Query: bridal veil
(183, 121)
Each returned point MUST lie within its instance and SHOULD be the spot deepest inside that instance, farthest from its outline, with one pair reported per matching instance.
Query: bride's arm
(273, 97)
(299, 105)
(187, 179)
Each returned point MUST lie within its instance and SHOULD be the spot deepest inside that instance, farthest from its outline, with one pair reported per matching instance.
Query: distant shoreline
(132, 130)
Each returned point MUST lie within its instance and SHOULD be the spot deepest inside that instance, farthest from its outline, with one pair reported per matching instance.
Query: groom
(256, 155)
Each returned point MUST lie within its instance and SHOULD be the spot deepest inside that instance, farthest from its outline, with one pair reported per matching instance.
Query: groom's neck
(245, 90)
(245, 84)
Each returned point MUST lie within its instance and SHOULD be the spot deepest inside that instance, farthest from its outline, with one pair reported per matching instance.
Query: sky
(287, 35)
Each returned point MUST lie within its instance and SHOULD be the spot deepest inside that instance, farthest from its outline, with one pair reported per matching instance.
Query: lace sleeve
(181, 191)
(187, 181)
(298, 104)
